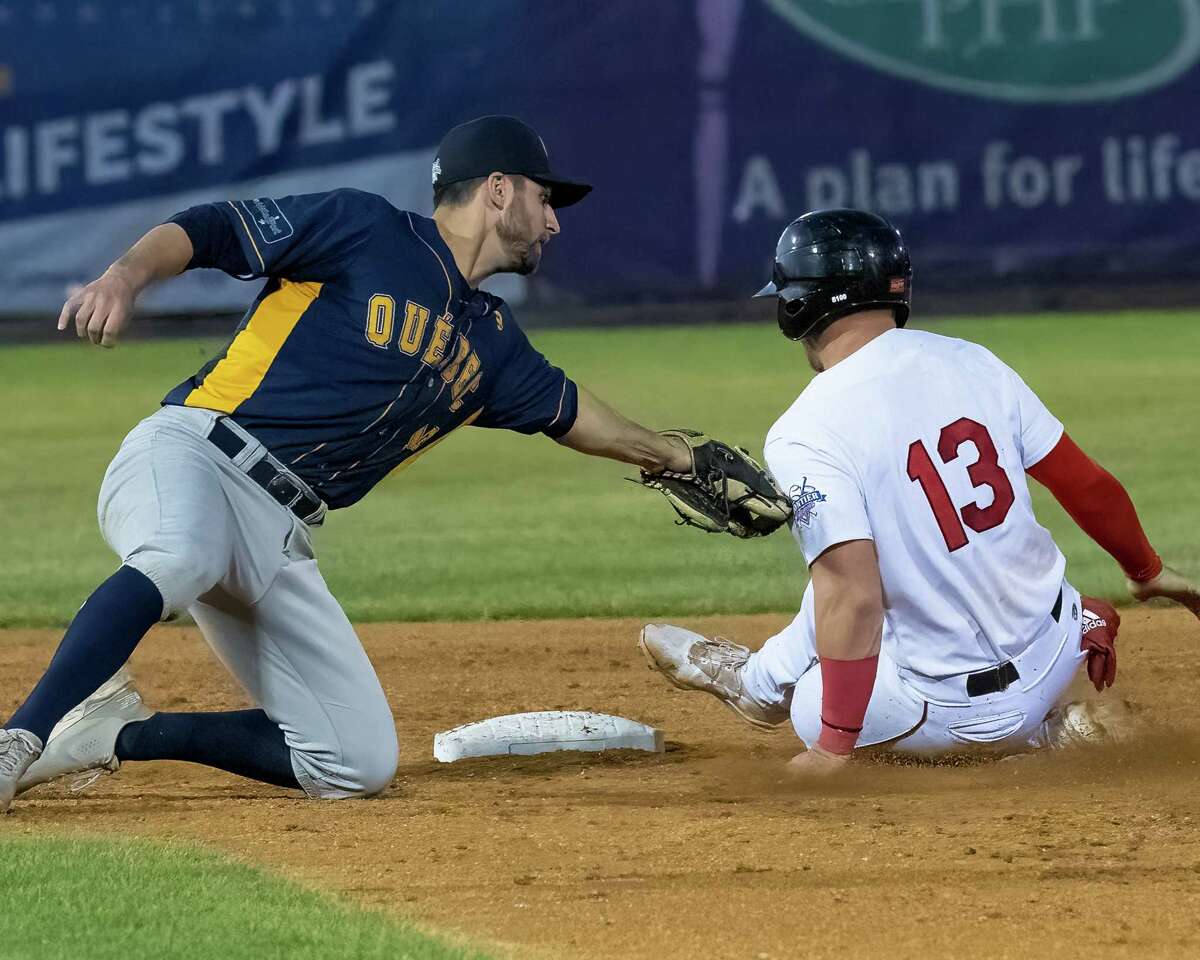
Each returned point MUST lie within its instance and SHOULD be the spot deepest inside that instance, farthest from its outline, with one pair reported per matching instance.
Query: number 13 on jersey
(985, 472)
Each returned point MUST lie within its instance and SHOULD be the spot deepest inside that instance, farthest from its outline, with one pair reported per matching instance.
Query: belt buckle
(310, 509)
(280, 486)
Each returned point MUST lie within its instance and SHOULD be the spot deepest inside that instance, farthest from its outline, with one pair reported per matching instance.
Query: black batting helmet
(830, 263)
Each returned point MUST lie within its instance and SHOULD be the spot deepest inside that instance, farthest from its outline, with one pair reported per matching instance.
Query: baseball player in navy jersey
(368, 344)
(937, 617)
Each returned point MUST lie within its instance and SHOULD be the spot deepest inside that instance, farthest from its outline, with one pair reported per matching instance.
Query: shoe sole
(762, 725)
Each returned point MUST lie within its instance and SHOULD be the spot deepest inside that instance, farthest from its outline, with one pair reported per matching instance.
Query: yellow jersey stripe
(240, 372)
(246, 227)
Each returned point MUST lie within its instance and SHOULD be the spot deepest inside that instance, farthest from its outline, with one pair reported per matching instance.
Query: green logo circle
(1045, 51)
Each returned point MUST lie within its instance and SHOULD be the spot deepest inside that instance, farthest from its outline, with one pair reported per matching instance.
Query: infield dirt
(704, 852)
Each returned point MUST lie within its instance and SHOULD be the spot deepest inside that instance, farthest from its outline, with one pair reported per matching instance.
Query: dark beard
(524, 257)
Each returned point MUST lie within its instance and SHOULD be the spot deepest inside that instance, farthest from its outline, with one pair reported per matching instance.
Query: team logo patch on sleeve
(269, 221)
(805, 497)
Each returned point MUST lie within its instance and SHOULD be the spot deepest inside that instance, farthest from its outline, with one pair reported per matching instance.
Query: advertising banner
(1031, 138)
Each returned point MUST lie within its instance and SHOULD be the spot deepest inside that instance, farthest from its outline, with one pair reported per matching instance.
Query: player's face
(525, 225)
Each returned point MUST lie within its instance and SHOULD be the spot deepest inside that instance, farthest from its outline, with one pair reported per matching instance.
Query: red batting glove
(1100, 625)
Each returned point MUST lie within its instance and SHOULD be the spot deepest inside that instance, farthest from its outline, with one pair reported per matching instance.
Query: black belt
(282, 486)
(992, 680)
(997, 679)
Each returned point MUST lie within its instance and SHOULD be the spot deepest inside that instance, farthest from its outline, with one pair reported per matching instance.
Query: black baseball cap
(487, 144)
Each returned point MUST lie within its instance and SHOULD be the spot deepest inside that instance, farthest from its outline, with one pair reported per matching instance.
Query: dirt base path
(702, 852)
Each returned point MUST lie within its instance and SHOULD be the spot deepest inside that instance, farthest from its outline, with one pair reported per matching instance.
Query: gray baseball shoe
(18, 750)
(85, 740)
(1087, 723)
(693, 662)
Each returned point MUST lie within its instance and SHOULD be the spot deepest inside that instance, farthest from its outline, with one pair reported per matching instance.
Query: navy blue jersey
(366, 346)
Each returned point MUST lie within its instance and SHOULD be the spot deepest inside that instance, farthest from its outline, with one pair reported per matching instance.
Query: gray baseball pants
(218, 546)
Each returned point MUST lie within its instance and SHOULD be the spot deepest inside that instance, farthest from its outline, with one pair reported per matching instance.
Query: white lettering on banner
(104, 147)
(314, 130)
(1027, 181)
(1137, 169)
(368, 92)
(55, 144)
(111, 146)
(162, 145)
(1057, 21)
(890, 188)
(16, 170)
(1134, 174)
(209, 111)
(1001, 23)
(269, 111)
(759, 190)
(1188, 174)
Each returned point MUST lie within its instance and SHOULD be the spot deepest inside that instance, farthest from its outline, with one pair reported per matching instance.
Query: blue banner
(1005, 137)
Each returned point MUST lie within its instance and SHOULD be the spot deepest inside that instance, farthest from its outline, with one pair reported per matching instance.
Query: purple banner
(1030, 138)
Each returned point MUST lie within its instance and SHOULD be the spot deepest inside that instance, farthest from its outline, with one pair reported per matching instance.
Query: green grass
(494, 525)
(112, 900)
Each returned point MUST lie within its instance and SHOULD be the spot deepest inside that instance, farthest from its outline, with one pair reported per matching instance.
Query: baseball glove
(727, 490)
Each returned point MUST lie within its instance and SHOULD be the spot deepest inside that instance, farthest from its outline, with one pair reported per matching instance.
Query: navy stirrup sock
(245, 742)
(96, 645)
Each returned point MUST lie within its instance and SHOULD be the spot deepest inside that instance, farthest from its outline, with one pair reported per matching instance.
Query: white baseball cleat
(85, 740)
(693, 662)
(1088, 722)
(18, 751)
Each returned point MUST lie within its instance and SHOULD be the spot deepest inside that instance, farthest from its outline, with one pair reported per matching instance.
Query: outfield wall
(1013, 140)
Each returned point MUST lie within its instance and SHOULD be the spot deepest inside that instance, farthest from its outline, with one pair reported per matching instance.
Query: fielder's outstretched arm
(1102, 508)
(102, 309)
(602, 432)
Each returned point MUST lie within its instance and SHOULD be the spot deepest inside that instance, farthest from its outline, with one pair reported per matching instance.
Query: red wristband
(837, 740)
(847, 686)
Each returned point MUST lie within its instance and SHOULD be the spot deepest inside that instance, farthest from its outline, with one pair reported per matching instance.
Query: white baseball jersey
(920, 443)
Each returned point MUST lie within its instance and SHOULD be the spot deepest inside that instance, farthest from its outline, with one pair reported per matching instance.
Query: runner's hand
(1170, 584)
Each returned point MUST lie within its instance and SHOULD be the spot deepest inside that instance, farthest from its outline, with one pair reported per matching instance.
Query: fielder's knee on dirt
(363, 767)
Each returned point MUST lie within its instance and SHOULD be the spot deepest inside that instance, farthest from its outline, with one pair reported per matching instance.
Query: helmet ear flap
(798, 317)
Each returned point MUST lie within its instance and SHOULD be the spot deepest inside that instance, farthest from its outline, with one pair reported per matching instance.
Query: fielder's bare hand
(1170, 584)
(816, 763)
(100, 310)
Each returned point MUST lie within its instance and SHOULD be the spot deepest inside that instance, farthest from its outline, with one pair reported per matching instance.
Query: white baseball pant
(926, 715)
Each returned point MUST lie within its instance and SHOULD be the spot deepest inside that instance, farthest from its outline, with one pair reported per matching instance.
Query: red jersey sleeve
(1097, 502)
